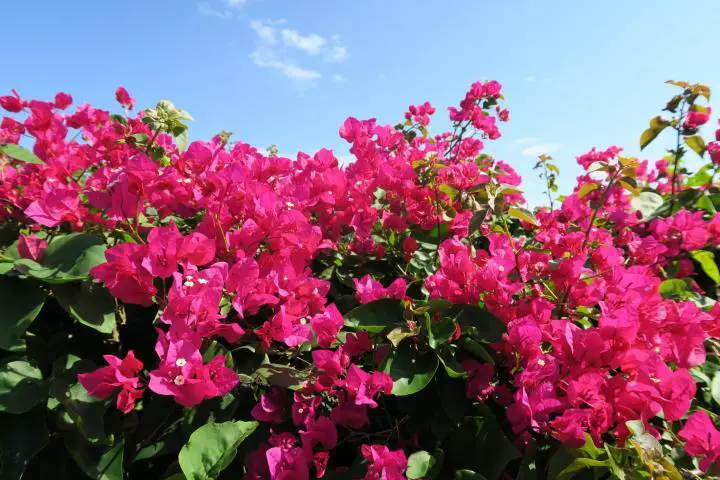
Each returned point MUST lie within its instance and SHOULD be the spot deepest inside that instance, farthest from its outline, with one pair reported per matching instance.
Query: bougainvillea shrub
(213, 310)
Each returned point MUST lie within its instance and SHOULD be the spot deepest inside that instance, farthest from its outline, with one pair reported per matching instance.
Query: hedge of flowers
(211, 310)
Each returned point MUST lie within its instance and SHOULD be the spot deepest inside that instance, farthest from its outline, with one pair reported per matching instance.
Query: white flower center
(179, 380)
(180, 362)
(202, 281)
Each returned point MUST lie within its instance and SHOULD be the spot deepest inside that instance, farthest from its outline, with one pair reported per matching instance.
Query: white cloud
(206, 9)
(275, 47)
(337, 53)
(236, 3)
(542, 148)
(311, 44)
(530, 78)
(339, 78)
(266, 59)
(525, 140)
(264, 31)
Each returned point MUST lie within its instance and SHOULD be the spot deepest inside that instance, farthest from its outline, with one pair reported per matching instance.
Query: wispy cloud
(311, 44)
(275, 48)
(525, 140)
(540, 149)
(530, 78)
(339, 78)
(237, 3)
(264, 58)
(264, 31)
(206, 9)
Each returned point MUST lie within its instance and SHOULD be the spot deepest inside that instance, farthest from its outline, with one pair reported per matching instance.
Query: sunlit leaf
(19, 153)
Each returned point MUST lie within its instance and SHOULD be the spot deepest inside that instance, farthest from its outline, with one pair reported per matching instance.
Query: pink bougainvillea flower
(288, 463)
(383, 463)
(702, 439)
(368, 289)
(124, 275)
(32, 247)
(181, 373)
(272, 407)
(357, 343)
(480, 375)
(163, 251)
(119, 374)
(327, 325)
(58, 204)
(696, 119)
(63, 100)
(321, 431)
(123, 98)
(12, 103)
(365, 386)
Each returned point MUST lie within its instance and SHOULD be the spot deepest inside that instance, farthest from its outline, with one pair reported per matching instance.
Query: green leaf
(99, 462)
(21, 438)
(440, 332)
(452, 367)
(398, 334)
(647, 203)
(658, 123)
(281, 375)
(589, 447)
(629, 184)
(477, 350)
(212, 448)
(675, 287)
(73, 255)
(21, 302)
(468, 475)
(647, 137)
(482, 324)
(21, 386)
(182, 140)
(86, 414)
(90, 304)
(375, 316)
(449, 191)
(707, 262)
(700, 178)
(715, 388)
(696, 143)
(523, 214)
(419, 464)
(706, 203)
(581, 464)
(480, 445)
(19, 153)
(410, 369)
(586, 189)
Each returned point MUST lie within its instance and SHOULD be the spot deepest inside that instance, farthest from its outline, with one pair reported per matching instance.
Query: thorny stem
(512, 245)
(674, 181)
(152, 141)
(547, 185)
(603, 199)
(596, 210)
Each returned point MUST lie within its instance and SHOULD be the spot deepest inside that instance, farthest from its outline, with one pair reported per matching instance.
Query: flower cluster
(336, 306)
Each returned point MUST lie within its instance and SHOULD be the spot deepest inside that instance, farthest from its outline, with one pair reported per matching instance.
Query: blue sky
(576, 74)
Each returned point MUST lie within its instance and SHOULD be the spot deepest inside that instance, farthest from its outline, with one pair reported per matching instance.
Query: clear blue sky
(577, 74)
